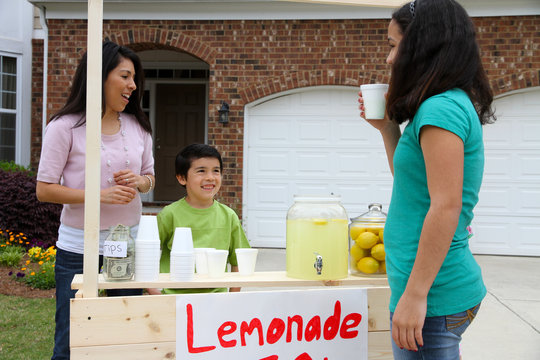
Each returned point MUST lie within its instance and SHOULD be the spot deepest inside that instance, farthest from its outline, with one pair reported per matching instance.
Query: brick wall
(252, 59)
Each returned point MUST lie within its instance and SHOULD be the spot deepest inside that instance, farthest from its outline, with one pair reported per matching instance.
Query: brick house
(289, 72)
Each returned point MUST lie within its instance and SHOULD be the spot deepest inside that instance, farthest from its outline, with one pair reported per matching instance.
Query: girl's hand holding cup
(372, 104)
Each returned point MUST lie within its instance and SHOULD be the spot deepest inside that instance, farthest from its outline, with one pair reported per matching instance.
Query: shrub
(11, 255)
(20, 210)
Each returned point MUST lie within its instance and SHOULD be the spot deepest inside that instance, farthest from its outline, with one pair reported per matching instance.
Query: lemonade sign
(326, 324)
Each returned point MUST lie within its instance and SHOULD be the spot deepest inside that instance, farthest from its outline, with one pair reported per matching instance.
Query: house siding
(249, 60)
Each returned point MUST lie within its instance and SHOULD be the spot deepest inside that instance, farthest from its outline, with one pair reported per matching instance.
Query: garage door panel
(270, 195)
(271, 130)
(311, 163)
(266, 228)
(270, 163)
(506, 235)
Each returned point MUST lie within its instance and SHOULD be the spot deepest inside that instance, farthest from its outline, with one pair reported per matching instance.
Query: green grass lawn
(26, 328)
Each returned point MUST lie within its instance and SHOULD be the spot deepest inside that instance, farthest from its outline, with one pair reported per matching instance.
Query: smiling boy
(213, 225)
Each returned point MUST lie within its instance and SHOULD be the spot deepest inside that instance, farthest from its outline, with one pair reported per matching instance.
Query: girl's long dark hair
(112, 55)
(438, 52)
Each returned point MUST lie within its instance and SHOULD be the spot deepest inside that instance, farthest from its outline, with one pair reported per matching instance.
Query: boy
(214, 225)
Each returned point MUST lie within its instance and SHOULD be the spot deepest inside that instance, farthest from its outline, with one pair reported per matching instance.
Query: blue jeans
(441, 335)
(67, 265)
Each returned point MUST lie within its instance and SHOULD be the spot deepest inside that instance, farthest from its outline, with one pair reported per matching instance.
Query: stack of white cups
(182, 255)
(147, 252)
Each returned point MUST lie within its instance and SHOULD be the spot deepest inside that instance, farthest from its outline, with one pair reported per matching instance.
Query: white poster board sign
(322, 324)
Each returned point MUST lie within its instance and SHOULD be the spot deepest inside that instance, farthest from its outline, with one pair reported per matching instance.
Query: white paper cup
(182, 241)
(148, 229)
(217, 261)
(247, 258)
(374, 100)
(201, 262)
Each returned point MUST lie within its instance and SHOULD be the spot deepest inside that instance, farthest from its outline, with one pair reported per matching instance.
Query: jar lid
(373, 215)
(317, 198)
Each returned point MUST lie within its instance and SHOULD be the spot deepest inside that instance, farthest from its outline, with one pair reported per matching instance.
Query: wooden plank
(378, 349)
(93, 142)
(152, 319)
(147, 351)
(371, 3)
(379, 345)
(258, 279)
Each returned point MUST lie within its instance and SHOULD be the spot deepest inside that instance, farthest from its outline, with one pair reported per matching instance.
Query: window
(8, 107)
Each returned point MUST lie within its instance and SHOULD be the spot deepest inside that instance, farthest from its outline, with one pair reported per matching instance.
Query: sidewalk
(507, 326)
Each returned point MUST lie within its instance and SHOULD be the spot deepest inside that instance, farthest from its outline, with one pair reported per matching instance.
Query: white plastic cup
(201, 261)
(247, 258)
(182, 241)
(217, 261)
(374, 100)
(148, 229)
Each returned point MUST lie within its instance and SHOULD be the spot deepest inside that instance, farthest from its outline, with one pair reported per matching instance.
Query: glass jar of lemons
(317, 241)
(366, 237)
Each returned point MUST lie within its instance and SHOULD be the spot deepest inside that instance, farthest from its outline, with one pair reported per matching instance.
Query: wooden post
(93, 151)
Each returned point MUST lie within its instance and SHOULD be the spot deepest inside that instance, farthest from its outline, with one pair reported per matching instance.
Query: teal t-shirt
(215, 227)
(458, 286)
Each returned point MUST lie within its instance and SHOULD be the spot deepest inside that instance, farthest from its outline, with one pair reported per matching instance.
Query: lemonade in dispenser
(317, 240)
(366, 233)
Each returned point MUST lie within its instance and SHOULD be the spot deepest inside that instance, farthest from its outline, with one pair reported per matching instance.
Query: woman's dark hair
(193, 152)
(438, 52)
(112, 55)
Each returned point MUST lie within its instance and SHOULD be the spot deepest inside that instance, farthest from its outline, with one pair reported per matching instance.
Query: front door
(180, 121)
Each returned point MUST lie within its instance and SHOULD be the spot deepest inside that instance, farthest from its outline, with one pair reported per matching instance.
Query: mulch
(10, 286)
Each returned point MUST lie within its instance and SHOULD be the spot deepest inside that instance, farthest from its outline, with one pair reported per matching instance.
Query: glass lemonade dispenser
(317, 238)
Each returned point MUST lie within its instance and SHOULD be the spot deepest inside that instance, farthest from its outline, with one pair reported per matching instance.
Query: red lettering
(299, 325)
(227, 328)
(350, 321)
(331, 325)
(275, 330)
(303, 356)
(254, 324)
(271, 357)
(313, 329)
(191, 349)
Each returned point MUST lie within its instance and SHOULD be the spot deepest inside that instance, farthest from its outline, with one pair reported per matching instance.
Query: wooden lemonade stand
(144, 327)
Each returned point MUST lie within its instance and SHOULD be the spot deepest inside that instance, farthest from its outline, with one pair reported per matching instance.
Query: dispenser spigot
(318, 263)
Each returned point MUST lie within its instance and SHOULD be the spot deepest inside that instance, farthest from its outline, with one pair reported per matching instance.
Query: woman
(127, 168)
(439, 88)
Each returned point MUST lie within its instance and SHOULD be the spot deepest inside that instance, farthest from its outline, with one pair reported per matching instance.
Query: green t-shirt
(458, 286)
(215, 227)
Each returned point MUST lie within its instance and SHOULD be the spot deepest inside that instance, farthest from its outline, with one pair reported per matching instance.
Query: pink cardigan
(63, 161)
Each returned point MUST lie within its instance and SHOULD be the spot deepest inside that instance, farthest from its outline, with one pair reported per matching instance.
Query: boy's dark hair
(438, 52)
(193, 152)
(112, 54)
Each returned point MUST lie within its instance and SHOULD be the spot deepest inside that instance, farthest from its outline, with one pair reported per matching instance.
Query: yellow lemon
(366, 240)
(357, 252)
(382, 267)
(381, 235)
(374, 230)
(320, 221)
(355, 231)
(368, 265)
(378, 252)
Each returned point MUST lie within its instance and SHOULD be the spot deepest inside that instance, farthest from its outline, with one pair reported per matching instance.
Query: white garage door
(312, 142)
(507, 218)
(309, 142)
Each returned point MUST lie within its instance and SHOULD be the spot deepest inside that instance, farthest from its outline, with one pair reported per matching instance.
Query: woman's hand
(118, 194)
(408, 321)
(126, 177)
(379, 124)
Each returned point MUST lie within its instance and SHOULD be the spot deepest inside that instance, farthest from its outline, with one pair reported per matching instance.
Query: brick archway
(309, 78)
(150, 39)
(516, 81)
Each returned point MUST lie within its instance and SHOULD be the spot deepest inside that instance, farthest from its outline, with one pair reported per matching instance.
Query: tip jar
(119, 254)
(317, 240)
(366, 236)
